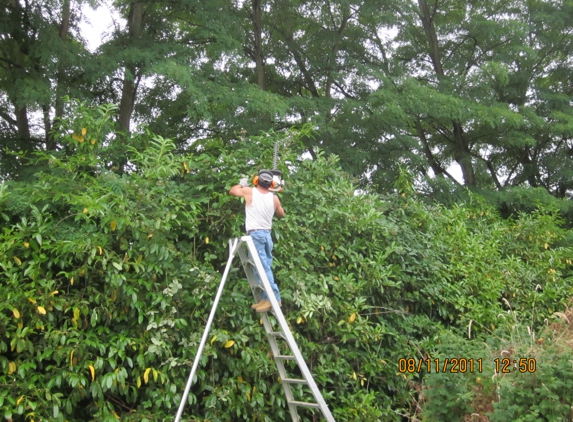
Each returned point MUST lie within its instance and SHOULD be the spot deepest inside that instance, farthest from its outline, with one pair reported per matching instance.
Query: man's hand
(244, 182)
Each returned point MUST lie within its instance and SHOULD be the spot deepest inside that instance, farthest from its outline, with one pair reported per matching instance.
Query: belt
(258, 230)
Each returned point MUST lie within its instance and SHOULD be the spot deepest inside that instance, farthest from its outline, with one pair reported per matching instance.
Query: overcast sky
(97, 23)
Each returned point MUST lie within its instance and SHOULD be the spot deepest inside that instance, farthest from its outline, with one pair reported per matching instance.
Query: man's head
(265, 179)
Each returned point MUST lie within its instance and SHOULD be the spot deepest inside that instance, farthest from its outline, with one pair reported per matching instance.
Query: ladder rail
(236, 245)
(287, 333)
(233, 246)
(256, 289)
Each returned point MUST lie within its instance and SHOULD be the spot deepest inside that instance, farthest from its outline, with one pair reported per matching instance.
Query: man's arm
(279, 211)
(237, 190)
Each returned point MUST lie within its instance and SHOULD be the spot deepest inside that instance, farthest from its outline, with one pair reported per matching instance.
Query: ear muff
(256, 179)
(256, 182)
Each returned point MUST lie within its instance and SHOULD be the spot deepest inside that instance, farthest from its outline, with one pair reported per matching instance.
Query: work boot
(264, 306)
(256, 305)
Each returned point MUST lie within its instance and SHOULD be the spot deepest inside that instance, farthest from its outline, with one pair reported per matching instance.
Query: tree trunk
(23, 125)
(256, 16)
(462, 153)
(60, 82)
(463, 156)
(334, 52)
(60, 88)
(129, 89)
(429, 28)
(437, 169)
(50, 144)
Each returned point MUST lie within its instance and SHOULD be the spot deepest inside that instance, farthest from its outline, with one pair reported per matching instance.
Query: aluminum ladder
(250, 260)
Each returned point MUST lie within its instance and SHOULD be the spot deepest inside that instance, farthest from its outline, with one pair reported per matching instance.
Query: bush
(107, 279)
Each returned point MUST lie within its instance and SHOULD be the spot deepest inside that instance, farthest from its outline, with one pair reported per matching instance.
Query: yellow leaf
(352, 318)
(72, 357)
(113, 225)
(20, 324)
(546, 245)
(206, 240)
(76, 313)
(115, 414)
(335, 278)
(16, 313)
(72, 281)
(92, 371)
(229, 343)
(155, 374)
(299, 320)
(138, 382)
(93, 141)
(75, 136)
(32, 300)
(26, 244)
(146, 375)
(19, 400)
(84, 131)
(80, 139)
(353, 376)
(17, 260)
(55, 292)
(41, 310)
(321, 247)
(213, 340)
(240, 379)
(248, 396)
(261, 321)
(85, 210)
(11, 368)
(100, 250)
(149, 236)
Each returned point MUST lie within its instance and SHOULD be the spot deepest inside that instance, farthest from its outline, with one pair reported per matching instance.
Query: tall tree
(132, 72)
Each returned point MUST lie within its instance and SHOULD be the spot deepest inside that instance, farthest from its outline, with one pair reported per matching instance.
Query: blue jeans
(264, 244)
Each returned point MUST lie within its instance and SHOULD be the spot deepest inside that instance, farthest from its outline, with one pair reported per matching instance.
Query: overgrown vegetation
(107, 281)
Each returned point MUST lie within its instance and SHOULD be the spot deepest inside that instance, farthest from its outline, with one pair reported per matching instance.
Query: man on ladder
(260, 206)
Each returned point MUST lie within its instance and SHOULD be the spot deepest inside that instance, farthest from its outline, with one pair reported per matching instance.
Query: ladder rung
(277, 334)
(294, 381)
(303, 404)
(283, 357)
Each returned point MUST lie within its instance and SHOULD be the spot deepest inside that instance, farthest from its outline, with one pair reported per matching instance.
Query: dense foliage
(463, 93)
(107, 280)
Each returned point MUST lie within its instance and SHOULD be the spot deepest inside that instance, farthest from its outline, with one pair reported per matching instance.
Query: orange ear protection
(256, 179)
(256, 182)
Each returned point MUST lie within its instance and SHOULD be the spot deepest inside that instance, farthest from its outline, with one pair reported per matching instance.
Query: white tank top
(260, 214)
